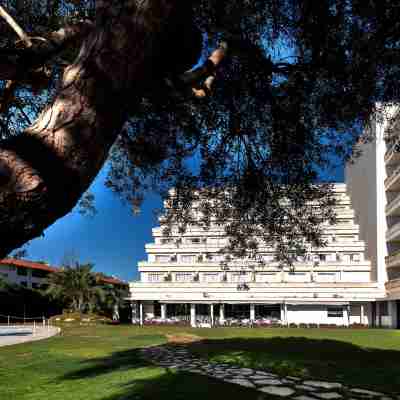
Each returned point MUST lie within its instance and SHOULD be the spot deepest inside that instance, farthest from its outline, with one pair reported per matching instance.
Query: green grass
(102, 362)
(363, 358)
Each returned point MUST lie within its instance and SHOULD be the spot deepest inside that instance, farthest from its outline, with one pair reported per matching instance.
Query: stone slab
(323, 384)
(277, 390)
(329, 395)
(366, 392)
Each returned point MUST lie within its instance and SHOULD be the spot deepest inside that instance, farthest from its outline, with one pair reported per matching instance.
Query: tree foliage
(298, 81)
(81, 290)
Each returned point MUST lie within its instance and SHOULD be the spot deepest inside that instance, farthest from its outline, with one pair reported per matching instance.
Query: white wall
(365, 186)
(313, 314)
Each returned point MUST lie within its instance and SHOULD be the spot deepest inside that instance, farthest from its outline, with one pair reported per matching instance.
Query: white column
(221, 314)
(193, 315)
(378, 315)
(285, 314)
(252, 312)
(212, 314)
(134, 311)
(141, 313)
(345, 316)
(163, 311)
(362, 314)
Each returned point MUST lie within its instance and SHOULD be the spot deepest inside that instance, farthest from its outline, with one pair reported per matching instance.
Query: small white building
(25, 273)
(182, 280)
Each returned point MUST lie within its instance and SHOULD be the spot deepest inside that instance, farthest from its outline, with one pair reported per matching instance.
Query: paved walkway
(290, 387)
(22, 334)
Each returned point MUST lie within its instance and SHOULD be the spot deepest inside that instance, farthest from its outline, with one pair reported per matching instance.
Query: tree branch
(20, 63)
(205, 72)
(15, 26)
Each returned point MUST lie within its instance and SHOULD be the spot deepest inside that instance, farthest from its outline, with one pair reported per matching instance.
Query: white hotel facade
(355, 279)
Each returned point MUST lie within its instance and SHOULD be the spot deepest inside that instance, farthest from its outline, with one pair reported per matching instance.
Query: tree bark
(45, 170)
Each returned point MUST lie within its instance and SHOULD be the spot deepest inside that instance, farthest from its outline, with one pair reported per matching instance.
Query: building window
(24, 283)
(183, 276)
(213, 240)
(335, 312)
(154, 277)
(35, 285)
(22, 271)
(211, 277)
(38, 273)
(326, 276)
(194, 240)
(239, 277)
(322, 257)
(188, 258)
(267, 257)
(166, 241)
(266, 277)
(162, 259)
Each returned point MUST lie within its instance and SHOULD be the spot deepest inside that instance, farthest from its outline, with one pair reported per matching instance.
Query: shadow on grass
(134, 378)
(309, 358)
(146, 381)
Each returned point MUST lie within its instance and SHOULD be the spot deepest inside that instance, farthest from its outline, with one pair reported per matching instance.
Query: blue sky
(113, 239)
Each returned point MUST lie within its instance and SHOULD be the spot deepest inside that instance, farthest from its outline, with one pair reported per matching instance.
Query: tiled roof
(27, 264)
(114, 281)
(44, 267)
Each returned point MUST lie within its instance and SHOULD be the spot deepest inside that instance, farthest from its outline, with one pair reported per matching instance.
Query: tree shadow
(152, 382)
(328, 359)
(331, 360)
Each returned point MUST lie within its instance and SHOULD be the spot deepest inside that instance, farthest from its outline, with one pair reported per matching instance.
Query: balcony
(392, 182)
(393, 208)
(393, 260)
(393, 285)
(392, 156)
(393, 233)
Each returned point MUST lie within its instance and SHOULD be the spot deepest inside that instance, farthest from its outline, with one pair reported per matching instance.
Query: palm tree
(76, 286)
(113, 297)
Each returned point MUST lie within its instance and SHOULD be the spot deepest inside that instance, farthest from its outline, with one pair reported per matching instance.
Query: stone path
(22, 334)
(288, 387)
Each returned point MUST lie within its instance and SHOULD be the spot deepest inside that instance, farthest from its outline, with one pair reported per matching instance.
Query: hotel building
(336, 284)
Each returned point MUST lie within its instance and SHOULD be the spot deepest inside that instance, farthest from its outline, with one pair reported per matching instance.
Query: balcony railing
(392, 155)
(393, 207)
(393, 233)
(393, 284)
(393, 178)
(393, 260)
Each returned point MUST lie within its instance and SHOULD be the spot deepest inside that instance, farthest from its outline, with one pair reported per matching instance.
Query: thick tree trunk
(45, 170)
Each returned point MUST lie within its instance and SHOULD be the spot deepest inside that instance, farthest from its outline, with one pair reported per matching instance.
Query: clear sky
(113, 239)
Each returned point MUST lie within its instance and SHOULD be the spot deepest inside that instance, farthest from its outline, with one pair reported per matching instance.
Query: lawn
(102, 362)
